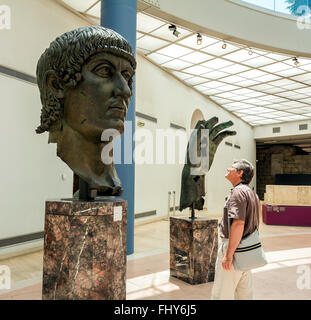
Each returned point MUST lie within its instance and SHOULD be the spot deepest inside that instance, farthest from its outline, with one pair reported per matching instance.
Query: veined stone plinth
(193, 249)
(85, 250)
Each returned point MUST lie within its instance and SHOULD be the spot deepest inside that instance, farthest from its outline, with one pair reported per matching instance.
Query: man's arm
(236, 232)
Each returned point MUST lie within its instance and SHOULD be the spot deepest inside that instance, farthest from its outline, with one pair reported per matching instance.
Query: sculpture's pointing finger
(220, 127)
(223, 135)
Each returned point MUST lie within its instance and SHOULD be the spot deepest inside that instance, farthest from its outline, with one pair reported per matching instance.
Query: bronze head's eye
(103, 70)
(126, 75)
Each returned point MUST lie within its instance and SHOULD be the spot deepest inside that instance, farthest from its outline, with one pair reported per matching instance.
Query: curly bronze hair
(66, 56)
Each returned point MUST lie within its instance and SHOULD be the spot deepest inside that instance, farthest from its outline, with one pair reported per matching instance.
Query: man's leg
(244, 289)
(225, 282)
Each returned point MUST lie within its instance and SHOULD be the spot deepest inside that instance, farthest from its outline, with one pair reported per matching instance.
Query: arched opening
(196, 116)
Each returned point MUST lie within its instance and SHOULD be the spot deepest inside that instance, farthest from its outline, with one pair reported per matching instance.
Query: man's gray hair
(248, 170)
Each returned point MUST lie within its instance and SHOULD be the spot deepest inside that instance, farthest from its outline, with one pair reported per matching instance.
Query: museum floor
(287, 248)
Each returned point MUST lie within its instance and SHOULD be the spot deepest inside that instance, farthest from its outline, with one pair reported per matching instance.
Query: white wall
(160, 95)
(240, 22)
(289, 129)
(30, 170)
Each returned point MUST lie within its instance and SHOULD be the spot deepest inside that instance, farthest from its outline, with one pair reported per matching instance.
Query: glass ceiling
(257, 86)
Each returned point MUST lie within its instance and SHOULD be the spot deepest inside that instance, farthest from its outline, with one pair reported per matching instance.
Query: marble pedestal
(193, 249)
(85, 250)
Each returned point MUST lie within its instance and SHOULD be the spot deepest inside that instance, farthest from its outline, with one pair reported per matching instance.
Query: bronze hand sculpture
(193, 174)
(85, 82)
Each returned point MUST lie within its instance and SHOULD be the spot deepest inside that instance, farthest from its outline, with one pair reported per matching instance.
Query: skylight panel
(195, 80)
(282, 82)
(251, 118)
(217, 49)
(265, 121)
(298, 110)
(267, 78)
(215, 74)
(240, 55)
(279, 66)
(196, 57)
(302, 77)
(247, 83)
(176, 64)
(147, 23)
(213, 84)
(286, 94)
(227, 87)
(143, 51)
(174, 51)
(293, 117)
(251, 74)
(294, 104)
(211, 91)
(259, 61)
(139, 35)
(235, 68)
(306, 90)
(159, 58)
(290, 72)
(233, 79)
(196, 70)
(217, 63)
(276, 56)
(181, 75)
(220, 100)
(294, 86)
(306, 100)
(150, 43)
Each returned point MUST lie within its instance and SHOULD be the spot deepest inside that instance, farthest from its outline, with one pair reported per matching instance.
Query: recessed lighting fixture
(296, 62)
(173, 28)
(224, 46)
(250, 51)
(199, 39)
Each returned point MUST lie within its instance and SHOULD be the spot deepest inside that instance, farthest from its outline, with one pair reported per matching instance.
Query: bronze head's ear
(54, 85)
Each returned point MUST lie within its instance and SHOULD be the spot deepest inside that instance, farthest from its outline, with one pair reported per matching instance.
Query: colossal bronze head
(85, 81)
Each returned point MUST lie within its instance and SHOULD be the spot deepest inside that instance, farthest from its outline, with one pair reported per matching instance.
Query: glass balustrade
(292, 7)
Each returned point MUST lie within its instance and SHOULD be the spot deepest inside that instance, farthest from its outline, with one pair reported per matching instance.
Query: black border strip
(145, 116)
(236, 146)
(145, 214)
(20, 239)
(17, 74)
(176, 126)
(228, 143)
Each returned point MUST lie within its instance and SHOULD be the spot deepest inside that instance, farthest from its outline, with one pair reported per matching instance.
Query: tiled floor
(287, 276)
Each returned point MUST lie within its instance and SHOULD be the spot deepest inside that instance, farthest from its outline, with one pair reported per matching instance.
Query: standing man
(242, 208)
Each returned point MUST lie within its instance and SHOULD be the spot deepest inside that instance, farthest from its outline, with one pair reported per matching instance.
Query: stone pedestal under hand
(85, 250)
(193, 249)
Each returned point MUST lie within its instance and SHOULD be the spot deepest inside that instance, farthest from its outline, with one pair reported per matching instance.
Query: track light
(250, 51)
(199, 39)
(173, 28)
(224, 46)
(296, 62)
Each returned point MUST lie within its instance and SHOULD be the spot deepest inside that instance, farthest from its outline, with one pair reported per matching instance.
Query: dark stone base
(193, 249)
(84, 250)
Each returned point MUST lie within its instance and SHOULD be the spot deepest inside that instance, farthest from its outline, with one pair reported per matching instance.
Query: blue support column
(120, 16)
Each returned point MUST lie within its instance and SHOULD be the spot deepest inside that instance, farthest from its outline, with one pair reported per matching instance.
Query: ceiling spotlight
(173, 28)
(199, 39)
(296, 62)
(224, 46)
(250, 51)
